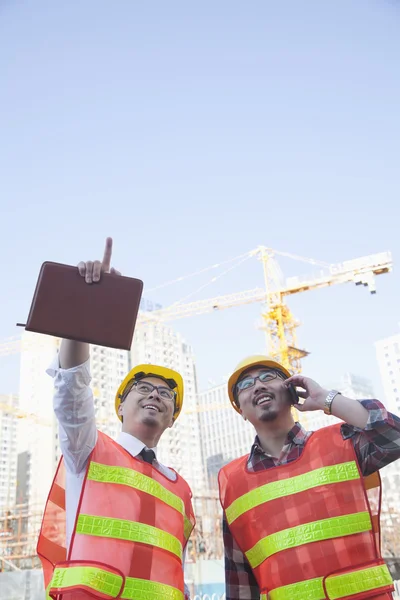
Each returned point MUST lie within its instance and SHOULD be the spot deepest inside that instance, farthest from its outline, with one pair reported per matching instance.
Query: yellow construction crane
(278, 322)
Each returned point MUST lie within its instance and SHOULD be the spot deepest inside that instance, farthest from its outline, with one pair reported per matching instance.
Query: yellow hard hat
(257, 360)
(153, 371)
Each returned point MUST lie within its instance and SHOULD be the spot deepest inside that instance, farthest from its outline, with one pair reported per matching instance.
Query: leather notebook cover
(101, 313)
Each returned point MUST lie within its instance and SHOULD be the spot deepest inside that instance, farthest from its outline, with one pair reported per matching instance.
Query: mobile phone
(293, 394)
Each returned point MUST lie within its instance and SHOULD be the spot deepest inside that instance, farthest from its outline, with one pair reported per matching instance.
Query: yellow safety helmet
(153, 371)
(257, 360)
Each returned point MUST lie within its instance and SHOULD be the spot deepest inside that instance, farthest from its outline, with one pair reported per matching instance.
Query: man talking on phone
(301, 511)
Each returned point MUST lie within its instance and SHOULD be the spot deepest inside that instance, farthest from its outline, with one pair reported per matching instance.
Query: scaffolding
(19, 530)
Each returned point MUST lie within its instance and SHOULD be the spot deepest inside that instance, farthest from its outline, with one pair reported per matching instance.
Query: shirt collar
(297, 435)
(131, 444)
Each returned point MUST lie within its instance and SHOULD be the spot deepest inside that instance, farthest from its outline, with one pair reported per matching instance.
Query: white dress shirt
(74, 409)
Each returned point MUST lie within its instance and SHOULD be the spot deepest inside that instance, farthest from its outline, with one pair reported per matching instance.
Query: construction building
(8, 449)
(390, 513)
(224, 434)
(388, 356)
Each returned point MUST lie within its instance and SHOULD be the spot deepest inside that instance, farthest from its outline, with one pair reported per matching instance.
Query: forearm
(73, 353)
(350, 411)
(74, 409)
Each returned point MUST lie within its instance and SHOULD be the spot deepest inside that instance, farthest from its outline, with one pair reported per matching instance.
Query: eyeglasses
(248, 382)
(145, 388)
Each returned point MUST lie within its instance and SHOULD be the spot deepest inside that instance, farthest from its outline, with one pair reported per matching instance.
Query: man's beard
(268, 415)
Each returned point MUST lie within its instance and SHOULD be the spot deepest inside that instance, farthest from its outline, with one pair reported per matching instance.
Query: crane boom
(361, 270)
(200, 307)
(279, 324)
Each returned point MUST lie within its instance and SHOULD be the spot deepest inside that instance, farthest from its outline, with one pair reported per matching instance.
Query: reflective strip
(132, 531)
(142, 589)
(341, 586)
(187, 528)
(110, 584)
(293, 485)
(312, 589)
(92, 577)
(123, 476)
(316, 531)
(134, 479)
(338, 586)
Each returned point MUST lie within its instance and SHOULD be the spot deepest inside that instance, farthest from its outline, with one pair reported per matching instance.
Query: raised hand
(92, 270)
(314, 395)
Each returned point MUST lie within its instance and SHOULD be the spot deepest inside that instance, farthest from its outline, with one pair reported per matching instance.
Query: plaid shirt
(375, 446)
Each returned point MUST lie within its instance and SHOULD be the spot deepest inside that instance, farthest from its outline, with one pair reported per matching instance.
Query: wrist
(329, 401)
(322, 397)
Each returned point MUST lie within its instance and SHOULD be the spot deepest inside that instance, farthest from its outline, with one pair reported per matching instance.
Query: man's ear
(120, 409)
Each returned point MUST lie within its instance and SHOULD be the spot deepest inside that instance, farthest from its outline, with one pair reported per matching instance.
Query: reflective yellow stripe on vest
(123, 476)
(96, 579)
(293, 485)
(132, 531)
(134, 479)
(338, 586)
(142, 589)
(316, 531)
(109, 584)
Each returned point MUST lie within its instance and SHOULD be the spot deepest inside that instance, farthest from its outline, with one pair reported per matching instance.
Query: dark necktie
(147, 455)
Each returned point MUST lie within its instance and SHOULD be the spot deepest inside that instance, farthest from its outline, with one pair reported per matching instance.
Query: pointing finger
(106, 262)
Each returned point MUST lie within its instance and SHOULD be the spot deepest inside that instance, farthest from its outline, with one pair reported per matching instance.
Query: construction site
(20, 516)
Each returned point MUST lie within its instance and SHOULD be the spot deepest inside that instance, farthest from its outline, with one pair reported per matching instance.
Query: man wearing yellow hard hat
(117, 521)
(301, 510)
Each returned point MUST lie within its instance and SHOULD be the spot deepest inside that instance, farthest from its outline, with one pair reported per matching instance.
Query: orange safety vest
(310, 528)
(131, 528)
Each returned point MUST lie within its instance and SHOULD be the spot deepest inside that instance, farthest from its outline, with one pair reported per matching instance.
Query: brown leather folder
(101, 313)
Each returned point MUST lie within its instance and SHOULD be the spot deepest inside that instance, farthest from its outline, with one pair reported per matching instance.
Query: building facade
(388, 357)
(224, 434)
(8, 449)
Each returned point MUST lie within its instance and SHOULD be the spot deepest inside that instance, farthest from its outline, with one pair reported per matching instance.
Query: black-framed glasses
(249, 381)
(145, 388)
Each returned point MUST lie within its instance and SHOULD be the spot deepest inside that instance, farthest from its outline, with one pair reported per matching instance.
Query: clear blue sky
(193, 132)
